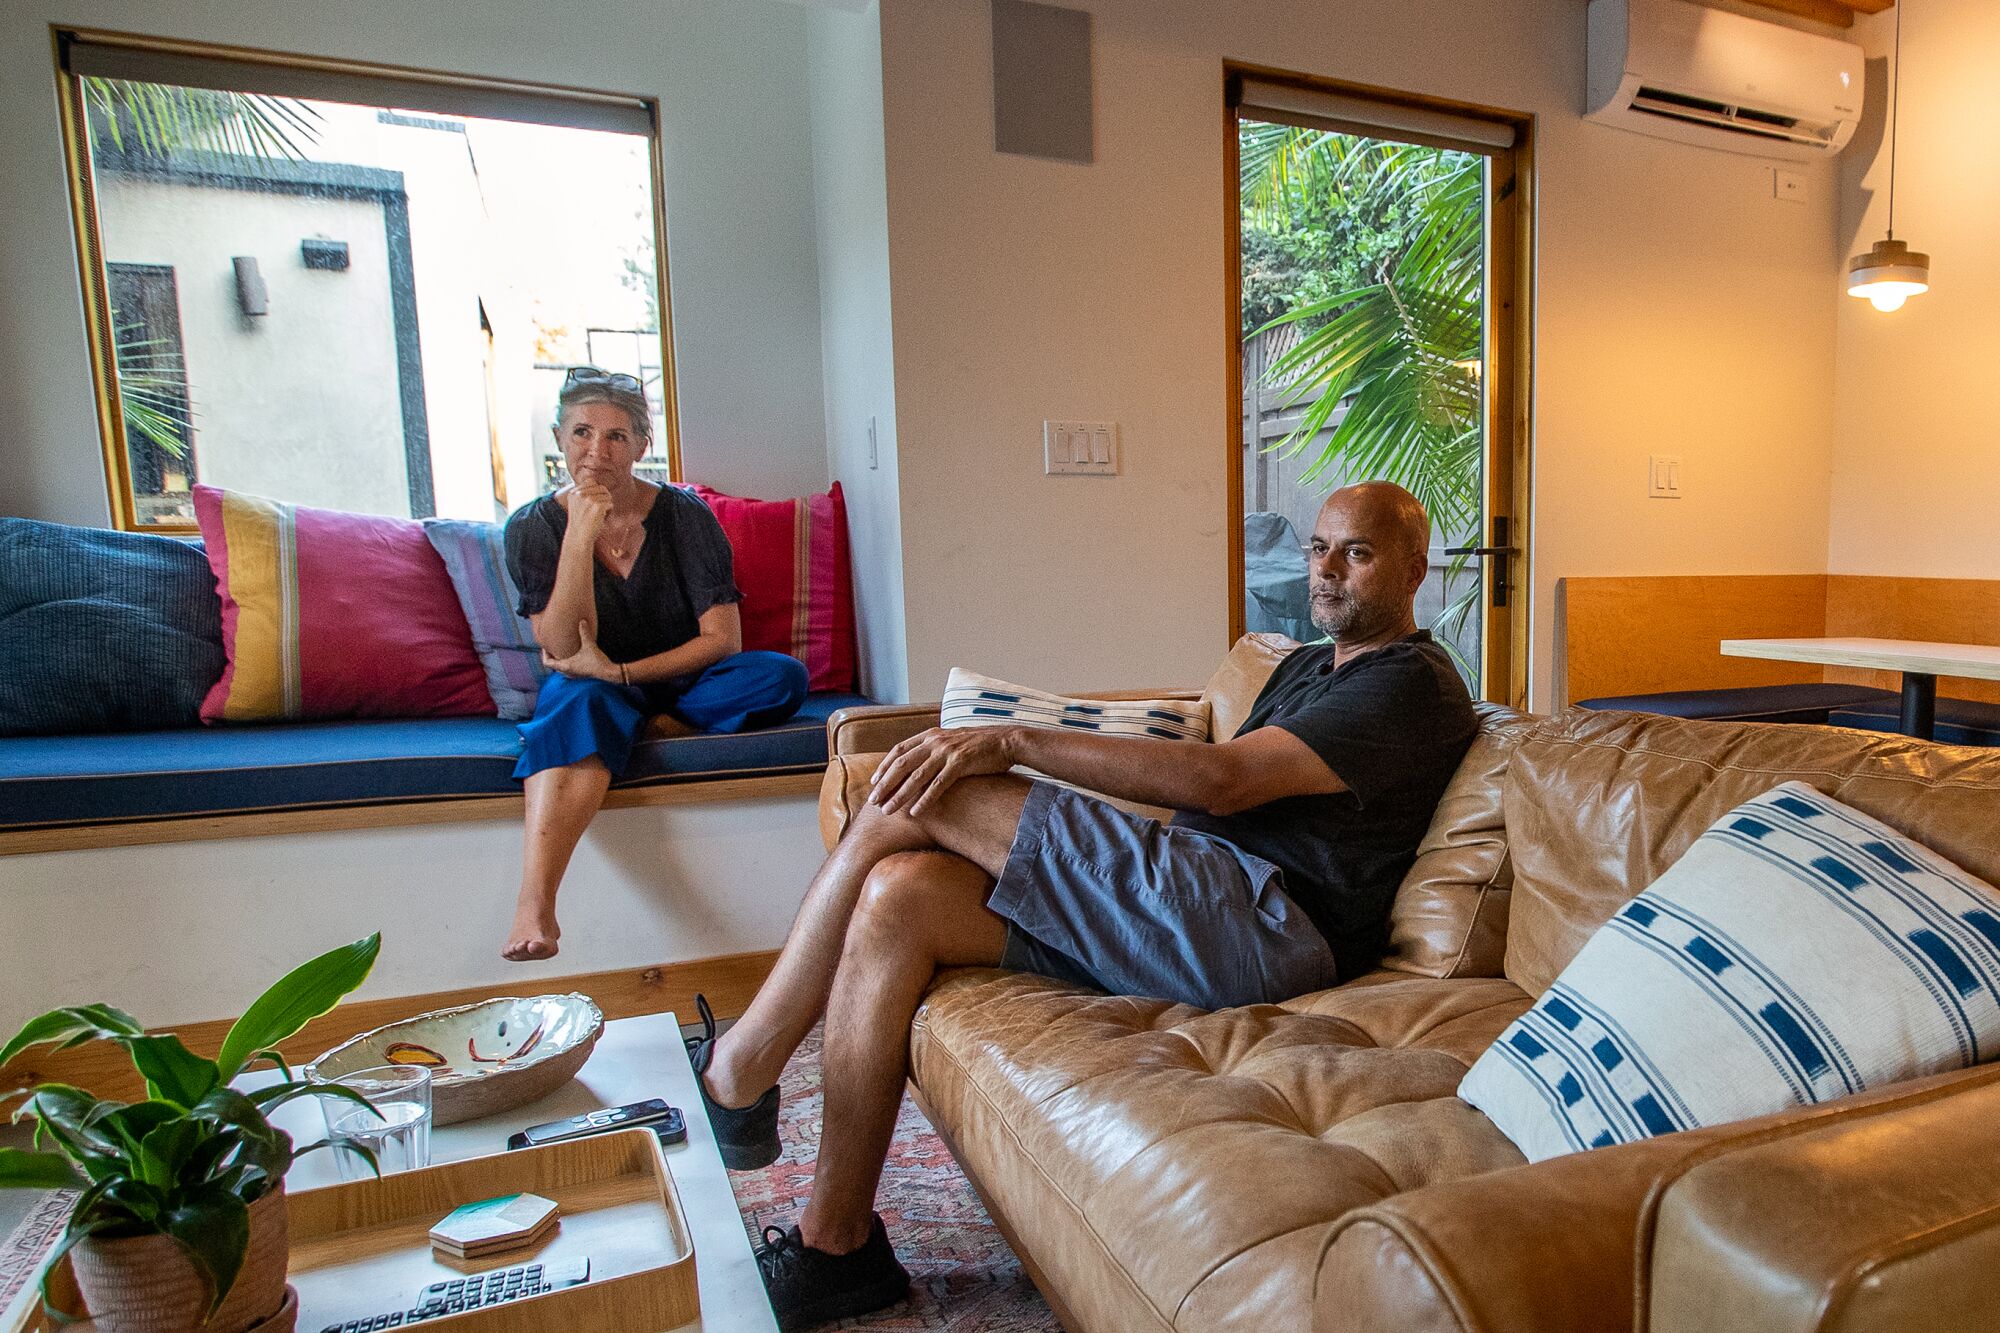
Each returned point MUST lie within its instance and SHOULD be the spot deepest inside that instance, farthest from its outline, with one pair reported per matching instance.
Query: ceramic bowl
(484, 1058)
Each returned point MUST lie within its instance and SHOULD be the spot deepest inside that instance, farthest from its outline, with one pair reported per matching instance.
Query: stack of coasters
(491, 1225)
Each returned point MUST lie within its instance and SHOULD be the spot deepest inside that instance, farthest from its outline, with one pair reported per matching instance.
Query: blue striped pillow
(973, 700)
(1797, 952)
(475, 556)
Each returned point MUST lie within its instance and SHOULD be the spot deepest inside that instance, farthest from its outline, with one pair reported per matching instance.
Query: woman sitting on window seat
(630, 589)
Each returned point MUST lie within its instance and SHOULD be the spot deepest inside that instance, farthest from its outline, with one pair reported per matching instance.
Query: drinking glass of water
(398, 1128)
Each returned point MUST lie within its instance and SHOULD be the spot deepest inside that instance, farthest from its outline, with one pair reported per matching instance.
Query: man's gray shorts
(1103, 898)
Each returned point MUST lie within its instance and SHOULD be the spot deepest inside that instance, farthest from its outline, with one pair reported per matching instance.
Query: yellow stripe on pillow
(263, 582)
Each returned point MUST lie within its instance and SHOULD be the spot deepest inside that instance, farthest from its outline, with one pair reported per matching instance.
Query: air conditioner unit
(1703, 76)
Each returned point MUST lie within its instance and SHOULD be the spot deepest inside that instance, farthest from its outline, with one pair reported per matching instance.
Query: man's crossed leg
(902, 895)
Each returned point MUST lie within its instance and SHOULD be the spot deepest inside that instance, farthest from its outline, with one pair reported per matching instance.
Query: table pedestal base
(1919, 704)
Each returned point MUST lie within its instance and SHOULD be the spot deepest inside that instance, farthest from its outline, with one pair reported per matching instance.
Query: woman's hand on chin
(588, 662)
(589, 505)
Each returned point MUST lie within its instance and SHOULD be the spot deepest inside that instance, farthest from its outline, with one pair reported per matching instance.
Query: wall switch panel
(1789, 186)
(1663, 477)
(1080, 448)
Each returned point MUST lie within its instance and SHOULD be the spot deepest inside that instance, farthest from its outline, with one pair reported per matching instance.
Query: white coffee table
(635, 1059)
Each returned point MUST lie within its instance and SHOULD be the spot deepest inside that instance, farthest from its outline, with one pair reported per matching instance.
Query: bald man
(1273, 879)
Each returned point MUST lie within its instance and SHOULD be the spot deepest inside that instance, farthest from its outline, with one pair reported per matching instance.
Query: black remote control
(472, 1293)
(665, 1121)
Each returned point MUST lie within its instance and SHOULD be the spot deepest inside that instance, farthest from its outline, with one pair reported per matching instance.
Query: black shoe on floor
(810, 1287)
(748, 1135)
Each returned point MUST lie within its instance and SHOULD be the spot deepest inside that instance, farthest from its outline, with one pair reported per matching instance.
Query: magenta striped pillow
(475, 556)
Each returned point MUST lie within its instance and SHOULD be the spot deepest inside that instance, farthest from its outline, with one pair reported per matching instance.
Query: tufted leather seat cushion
(1155, 1157)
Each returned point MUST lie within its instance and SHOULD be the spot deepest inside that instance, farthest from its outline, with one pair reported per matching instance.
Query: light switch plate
(1080, 448)
(1663, 477)
(1789, 186)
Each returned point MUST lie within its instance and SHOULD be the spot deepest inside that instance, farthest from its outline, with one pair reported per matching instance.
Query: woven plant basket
(147, 1284)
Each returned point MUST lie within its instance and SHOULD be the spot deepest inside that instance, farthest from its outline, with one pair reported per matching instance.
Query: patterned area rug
(21, 1252)
(963, 1275)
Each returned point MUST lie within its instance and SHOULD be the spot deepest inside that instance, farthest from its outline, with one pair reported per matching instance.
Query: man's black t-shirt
(1392, 724)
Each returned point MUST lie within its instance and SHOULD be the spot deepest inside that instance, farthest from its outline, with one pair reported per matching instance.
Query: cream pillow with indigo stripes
(1799, 951)
(973, 700)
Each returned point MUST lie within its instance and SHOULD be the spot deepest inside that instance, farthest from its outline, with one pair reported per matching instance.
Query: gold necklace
(617, 548)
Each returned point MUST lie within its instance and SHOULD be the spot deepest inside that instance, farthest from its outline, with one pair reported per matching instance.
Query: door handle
(1499, 551)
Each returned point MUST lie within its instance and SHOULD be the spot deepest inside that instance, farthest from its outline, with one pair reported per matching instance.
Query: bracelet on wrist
(624, 676)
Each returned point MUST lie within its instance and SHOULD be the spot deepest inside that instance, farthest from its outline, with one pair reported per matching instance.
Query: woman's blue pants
(577, 718)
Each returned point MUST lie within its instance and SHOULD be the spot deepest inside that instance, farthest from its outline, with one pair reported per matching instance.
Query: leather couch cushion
(1598, 805)
(1209, 1152)
(1449, 918)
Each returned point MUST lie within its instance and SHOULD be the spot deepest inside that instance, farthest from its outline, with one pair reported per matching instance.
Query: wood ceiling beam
(1839, 13)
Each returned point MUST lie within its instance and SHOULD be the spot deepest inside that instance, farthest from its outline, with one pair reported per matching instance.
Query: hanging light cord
(1895, 106)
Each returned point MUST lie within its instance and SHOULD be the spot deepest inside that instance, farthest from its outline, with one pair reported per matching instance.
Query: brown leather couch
(1307, 1165)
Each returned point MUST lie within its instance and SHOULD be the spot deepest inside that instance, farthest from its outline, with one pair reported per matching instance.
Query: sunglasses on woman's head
(592, 375)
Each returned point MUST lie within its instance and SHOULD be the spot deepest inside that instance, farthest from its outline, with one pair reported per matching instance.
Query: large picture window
(352, 287)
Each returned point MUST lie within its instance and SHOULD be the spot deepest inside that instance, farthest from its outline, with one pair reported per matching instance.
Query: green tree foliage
(1389, 312)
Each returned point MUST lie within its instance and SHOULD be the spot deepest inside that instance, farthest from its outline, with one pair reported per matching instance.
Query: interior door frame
(1509, 346)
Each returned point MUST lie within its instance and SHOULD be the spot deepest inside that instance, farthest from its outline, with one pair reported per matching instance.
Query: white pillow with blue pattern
(973, 700)
(1799, 951)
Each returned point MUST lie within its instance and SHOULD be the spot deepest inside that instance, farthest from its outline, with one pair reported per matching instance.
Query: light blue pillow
(475, 555)
(1799, 951)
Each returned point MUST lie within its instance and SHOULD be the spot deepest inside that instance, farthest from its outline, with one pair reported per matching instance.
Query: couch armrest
(1562, 1246)
(843, 791)
(875, 728)
(1890, 1221)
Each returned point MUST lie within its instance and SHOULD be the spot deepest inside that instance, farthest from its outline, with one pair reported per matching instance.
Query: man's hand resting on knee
(920, 770)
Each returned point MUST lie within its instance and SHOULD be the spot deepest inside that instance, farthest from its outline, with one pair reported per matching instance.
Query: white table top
(635, 1059)
(1981, 661)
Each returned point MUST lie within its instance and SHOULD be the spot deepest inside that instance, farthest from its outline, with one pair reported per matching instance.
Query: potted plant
(180, 1223)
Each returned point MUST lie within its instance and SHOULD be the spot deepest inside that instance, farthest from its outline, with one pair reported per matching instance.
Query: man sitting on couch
(1274, 879)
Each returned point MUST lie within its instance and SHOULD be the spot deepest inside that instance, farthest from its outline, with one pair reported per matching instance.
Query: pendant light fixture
(1890, 273)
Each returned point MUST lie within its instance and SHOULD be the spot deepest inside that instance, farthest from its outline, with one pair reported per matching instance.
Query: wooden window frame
(1509, 342)
(271, 70)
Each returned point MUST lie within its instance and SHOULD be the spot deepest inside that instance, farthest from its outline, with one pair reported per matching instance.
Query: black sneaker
(748, 1135)
(809, 1287)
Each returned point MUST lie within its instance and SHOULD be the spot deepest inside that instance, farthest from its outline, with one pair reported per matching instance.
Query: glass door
(1374, 342)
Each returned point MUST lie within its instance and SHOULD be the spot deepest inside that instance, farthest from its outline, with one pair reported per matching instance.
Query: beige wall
(259, 425)
(1682, 310)
(1916, 452)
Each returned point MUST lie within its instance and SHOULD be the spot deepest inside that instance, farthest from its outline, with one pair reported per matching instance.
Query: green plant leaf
(36, 1170)
(173, 1073)
(303, 994)
(271, 1098)
(72, 1027)
(213, 1226)
(164, 1153)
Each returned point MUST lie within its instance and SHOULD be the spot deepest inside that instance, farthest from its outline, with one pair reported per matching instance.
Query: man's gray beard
(1335, 620)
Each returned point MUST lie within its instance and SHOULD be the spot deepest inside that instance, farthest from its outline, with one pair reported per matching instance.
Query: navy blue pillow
(102, 630)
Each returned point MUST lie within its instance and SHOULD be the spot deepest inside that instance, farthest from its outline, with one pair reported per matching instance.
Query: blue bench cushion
(58, 780)
(1754, 703)
(1959, 721)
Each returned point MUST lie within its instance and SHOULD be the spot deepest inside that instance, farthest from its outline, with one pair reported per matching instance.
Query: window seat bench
(143, 783)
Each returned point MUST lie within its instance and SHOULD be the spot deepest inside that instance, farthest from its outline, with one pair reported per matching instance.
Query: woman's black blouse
(683, 568)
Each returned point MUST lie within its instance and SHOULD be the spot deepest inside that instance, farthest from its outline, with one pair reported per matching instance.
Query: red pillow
(796, 577)
(328, 615)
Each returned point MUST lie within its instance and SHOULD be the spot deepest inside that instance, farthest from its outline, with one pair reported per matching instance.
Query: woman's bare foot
(533, 935)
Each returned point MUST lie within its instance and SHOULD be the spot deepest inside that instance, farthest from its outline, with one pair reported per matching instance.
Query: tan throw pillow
(973, 700)
(1240, 679)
